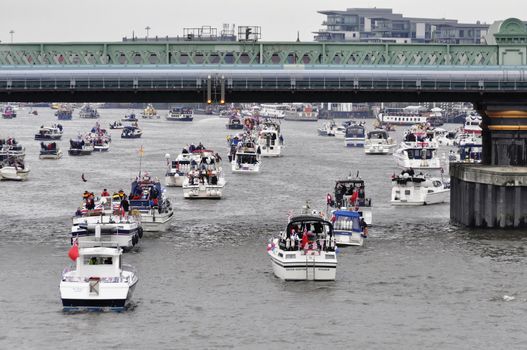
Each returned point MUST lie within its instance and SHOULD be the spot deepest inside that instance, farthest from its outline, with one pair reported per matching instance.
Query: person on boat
(105, 193)
(125, 205)
(78, 212)
(363, 227)
(191, 148)
(281, 139)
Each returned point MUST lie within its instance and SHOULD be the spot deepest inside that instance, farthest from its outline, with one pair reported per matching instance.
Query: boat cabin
(378, 135)
(420, 153)
(99, 262)
(316, 230)
(344, 190)
(355, 131)
(344, 220)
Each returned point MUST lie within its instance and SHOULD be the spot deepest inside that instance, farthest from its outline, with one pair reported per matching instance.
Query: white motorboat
(82, 146)
(125, 230)
(116, 125)
(131, 132)
(305, 251)
(98, 280)
(411, 189)
(148, 198)
(178, 169)
(328, 129)
(49, 151)
(130, 117)
(247, 158)
(181, 114)
(417, 157)
(347, 228)
(301, 112)
(10, 148)
(469, 150)
(378, 142)
(350, 195)
(269, 139)
(472, 124)
(207, 179)
(88, 112)
(404, 116)
(150, 112)
(355, 136)
(101, 145)
(13, 169)
(53, 132)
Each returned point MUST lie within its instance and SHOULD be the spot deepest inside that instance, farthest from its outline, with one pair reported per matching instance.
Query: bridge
(493, 77)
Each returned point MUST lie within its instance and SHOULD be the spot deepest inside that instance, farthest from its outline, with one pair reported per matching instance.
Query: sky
(280, 20)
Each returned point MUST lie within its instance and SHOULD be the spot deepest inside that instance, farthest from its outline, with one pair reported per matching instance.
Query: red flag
(354, 196)
(304, 239)
(74, 251)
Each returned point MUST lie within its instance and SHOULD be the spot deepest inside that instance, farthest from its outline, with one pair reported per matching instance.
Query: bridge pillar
(494, 194)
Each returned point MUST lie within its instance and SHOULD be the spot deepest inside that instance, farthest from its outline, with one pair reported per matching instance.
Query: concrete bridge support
(494, 193)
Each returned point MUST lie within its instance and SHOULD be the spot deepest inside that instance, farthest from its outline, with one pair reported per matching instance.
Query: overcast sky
(110, 20)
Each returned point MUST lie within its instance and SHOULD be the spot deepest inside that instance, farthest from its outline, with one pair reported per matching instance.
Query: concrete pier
(488, 196)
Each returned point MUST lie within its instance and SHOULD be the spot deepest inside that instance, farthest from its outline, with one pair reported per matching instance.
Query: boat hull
(354, 142)
(202, 192)
(12, 174)
(346, 238)
(304, 267)
(157, 222)
(76, 295)
(426, 199)
(182, 119)
(78, 152)
(174, 181)
(47, 137)
(56, 155)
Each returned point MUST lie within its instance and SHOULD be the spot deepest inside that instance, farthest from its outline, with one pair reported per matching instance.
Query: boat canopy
(378, 134)
(347, 213)
(316, 224)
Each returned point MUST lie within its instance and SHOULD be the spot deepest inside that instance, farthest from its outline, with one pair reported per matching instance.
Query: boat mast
(141, 153)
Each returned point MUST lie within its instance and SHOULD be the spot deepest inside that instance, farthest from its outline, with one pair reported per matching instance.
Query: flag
(74, 251)
(354, 197)
(304, 239)
(329, 199)
(141, 151)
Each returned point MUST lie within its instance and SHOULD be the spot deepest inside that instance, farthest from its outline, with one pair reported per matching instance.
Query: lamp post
(147, 31)
(11, 32)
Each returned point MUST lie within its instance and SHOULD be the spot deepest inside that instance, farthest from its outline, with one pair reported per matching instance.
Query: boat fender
(140, 232)
(287, 243)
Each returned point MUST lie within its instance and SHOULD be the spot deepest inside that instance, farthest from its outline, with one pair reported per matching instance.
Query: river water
(208, 283)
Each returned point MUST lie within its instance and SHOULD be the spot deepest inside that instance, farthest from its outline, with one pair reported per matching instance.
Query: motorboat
(82, 146)
(107, 216)
(150, 112)
(275, 111)
(49, 151)
(149, 199)
(131, 132)
(350, 195)
(64, 112)
(246, 158)
(378, 142)
(305, 251)
(88, 112)
(469, 150)
(355, 135)
(411, 189)
(421, 156)
(99, 279)
(53, 132)
(404, 116)
(301, 112)
(101, 145)
(179, 168)
(181, 114)
(328, 129)
(13, 169)
(234, 123)
(116, 125)
(347, 228)
(10, 148)
(130, 117)
(472, 124)
(8, 112)
(206, 179)
(269, 140)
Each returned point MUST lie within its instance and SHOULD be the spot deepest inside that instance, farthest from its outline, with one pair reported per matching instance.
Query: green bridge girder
(268, 53)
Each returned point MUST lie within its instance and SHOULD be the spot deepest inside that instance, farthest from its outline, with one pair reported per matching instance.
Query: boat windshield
(347, 220)
(420, 153)
(314, 227)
